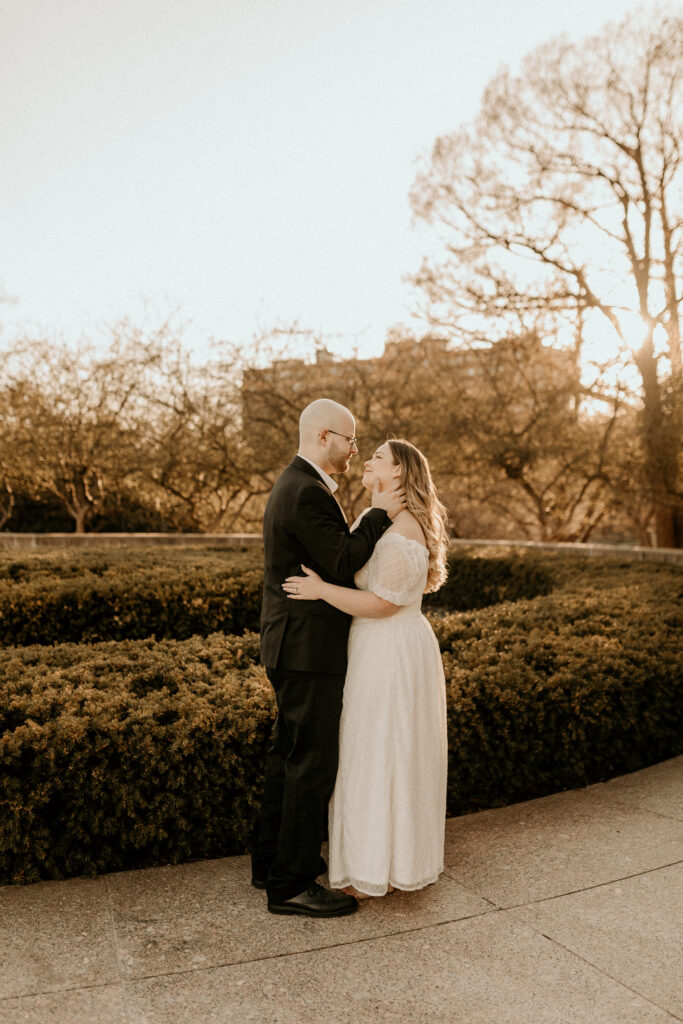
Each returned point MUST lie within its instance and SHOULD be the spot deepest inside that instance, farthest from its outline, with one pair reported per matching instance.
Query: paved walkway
(560, 910)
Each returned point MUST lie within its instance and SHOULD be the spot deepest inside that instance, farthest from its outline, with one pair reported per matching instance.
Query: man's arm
(319, 530)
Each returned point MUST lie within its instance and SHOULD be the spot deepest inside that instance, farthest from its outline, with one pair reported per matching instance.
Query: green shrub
(477, 578)
(115, 594)
(174, 593)
(560, 692)
(38, 514)
(119, 755)
(123, 512)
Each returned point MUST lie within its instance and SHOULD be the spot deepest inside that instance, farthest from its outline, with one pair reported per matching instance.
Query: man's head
(326, 435)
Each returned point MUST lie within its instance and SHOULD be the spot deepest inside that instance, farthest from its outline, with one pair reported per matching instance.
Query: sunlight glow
(634, 329)
(245, 163)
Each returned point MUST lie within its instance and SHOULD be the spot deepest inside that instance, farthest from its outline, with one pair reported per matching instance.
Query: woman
(387, 813)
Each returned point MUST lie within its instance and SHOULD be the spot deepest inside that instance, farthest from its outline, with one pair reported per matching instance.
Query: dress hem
(369, 889)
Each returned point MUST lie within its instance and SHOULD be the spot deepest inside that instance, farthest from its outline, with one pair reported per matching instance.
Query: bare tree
(194, 454)
(70, 417)
(630, 509)
(7, 497)
(499, 425)
(520, 446)
(387, 395)
(561, 205)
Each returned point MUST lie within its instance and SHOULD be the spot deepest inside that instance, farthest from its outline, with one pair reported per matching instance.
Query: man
(303, 646)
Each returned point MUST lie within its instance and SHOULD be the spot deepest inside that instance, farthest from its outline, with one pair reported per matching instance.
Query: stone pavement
(555, 911)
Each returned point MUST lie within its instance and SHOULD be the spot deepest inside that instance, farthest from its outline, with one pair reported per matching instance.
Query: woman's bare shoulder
(406, 525)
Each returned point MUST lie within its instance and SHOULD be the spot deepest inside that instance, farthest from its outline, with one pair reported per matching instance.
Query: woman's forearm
(362, 603)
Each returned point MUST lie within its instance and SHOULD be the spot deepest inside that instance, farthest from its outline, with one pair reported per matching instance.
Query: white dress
(387, 813)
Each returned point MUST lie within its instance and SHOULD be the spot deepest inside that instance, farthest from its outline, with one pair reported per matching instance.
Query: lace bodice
(396, 570)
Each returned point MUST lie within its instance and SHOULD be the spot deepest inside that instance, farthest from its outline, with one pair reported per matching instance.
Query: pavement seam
(596, 967)
(117, 950)
(60, 991)
(588, 888)
(623, 802)
(313, 949)
(472, 892)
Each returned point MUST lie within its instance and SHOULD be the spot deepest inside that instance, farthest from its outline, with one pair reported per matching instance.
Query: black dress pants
(301, 770)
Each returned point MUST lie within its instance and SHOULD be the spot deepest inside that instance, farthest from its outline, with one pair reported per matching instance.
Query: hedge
(93, 596)
(128, 594)
(174, 593)
(125, 754)
(120, 755)
(561, 692)
(481, 577)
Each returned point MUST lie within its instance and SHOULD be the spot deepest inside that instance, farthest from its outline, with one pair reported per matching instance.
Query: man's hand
(392, 501)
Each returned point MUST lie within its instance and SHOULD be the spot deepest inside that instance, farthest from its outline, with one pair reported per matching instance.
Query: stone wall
(36, 541)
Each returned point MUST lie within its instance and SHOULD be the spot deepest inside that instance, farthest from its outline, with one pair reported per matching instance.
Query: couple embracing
(360, 737)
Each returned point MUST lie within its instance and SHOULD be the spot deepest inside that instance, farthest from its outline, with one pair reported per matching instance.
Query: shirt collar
(332, 484)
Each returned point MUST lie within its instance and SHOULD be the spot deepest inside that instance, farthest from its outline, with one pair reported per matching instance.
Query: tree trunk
(661, 444)
(80, 517)
(7, 507)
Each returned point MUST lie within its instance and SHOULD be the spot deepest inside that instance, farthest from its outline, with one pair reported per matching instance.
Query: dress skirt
(387, 813)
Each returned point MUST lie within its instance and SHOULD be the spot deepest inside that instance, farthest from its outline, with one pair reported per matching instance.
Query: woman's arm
(362, 603)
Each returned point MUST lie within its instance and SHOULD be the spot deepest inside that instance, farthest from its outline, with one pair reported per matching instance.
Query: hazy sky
(246, 161)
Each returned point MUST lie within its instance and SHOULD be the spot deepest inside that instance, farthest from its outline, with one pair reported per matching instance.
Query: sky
(236, 163)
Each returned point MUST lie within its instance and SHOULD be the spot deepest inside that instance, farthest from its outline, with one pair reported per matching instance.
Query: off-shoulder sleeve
(397, 570)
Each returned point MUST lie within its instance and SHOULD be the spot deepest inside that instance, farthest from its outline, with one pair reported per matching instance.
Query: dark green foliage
(119, 755)
(116, 755)
(478, 578)
(43, 514)
(562, 691)
(117, 594)
(122, 512)
(172, 593)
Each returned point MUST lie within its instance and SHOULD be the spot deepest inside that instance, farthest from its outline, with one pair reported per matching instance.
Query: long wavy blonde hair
(423, 503)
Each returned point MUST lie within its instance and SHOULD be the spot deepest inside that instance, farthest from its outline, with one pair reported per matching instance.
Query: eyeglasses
(353, 441)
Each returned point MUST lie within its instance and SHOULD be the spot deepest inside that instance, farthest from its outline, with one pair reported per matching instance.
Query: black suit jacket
(304, 525)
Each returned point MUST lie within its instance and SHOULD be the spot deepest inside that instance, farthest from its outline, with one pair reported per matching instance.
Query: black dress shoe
(315, 902)
(260, 883)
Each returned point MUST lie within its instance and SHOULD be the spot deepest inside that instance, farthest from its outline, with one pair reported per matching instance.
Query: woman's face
(381, 469)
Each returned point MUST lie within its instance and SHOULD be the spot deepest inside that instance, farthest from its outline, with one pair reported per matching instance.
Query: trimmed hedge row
(125, 754)
(174, 593)
(95, 596)
(478, 578)
(129, 594)
(561, 692)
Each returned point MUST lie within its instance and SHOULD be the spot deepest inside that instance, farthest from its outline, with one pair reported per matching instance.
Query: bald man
(303, 646)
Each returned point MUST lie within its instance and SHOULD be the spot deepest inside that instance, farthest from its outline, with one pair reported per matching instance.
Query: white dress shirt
(332, 484)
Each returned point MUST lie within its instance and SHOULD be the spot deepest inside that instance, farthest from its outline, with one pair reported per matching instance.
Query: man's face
(340, 446)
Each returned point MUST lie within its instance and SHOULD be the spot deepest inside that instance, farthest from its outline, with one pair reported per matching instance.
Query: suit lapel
(306, 467)
(339, 506)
